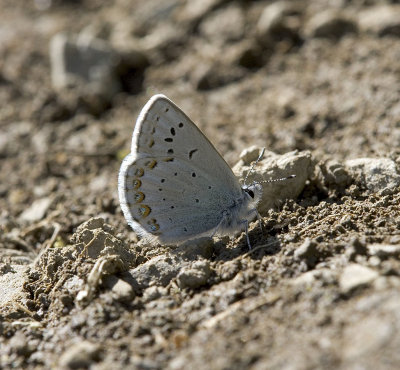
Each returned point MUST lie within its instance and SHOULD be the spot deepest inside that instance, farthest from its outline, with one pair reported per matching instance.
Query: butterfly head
(252, 192)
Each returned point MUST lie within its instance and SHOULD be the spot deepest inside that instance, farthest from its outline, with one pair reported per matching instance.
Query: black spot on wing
(192, 152)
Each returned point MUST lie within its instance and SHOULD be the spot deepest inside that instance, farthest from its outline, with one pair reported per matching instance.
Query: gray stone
(194, 276)
(311, 278)
(369, 335)
(381, 20)
(91, 224)
(80, 355)
(272, 167)
(250, 154)
(277, 21)
(224, 25)
(356, 248)
(247, 54)
(95, 239)
(308, 252)
(12, 285)
(37, 210)
(335, 173)
(193, 249)
(153, 292)
(90, 65)
(159, 271)
(384, 250)
(355, 276)
(330, 24)
(195, 10)
(376, 174)
(208, 77)
(120, 289)
(19, 344)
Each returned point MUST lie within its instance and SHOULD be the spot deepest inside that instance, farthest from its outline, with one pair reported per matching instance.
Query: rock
(91, 224)
(224, 25)
(80, 355)
(88, 65)
(153, 292)
(277, 21)
(157, 272)
(252, 56)
(120, 289)
(193, 249)
(130, 69)
(308, 252)
(37, 210)
(381, 20)
(19, 344)
(330, 24)
(104, 266)
(369, 335)
(164, 42)
(194, 276)
(99, 183)
(376, 174)
(208, 77)
(12, 280)
(95, 239)
(15, 133)
(384, 251)
(356, 276)
(196, 10)
(310, 278)
(272, 167)
(356, 248)
(334, 173)
(250, 154)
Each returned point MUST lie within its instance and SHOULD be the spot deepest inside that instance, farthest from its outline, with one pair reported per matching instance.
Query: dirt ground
(315, 82)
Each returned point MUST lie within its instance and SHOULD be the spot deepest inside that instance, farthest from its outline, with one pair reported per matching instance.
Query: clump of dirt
(315, 83)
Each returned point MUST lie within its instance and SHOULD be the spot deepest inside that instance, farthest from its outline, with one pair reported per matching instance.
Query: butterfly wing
(173, 185)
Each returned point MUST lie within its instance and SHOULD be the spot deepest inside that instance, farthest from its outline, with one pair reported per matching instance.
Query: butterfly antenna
(276, 180)
(254, 164)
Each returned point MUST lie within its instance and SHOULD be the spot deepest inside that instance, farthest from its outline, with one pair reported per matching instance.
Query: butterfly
(174, 185)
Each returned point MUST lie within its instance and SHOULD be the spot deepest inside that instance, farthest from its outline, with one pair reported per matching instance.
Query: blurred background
(319, 75)
(322, 76)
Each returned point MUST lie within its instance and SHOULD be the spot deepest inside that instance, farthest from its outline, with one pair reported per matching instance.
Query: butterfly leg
(246, 228)
(259, 220)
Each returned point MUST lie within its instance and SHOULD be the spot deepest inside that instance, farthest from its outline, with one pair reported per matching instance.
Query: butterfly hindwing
(164, 206)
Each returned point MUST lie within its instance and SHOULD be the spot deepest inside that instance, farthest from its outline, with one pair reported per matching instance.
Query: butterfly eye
(250, 192)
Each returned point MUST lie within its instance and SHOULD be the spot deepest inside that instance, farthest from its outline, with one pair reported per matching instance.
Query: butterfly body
(174, 185)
